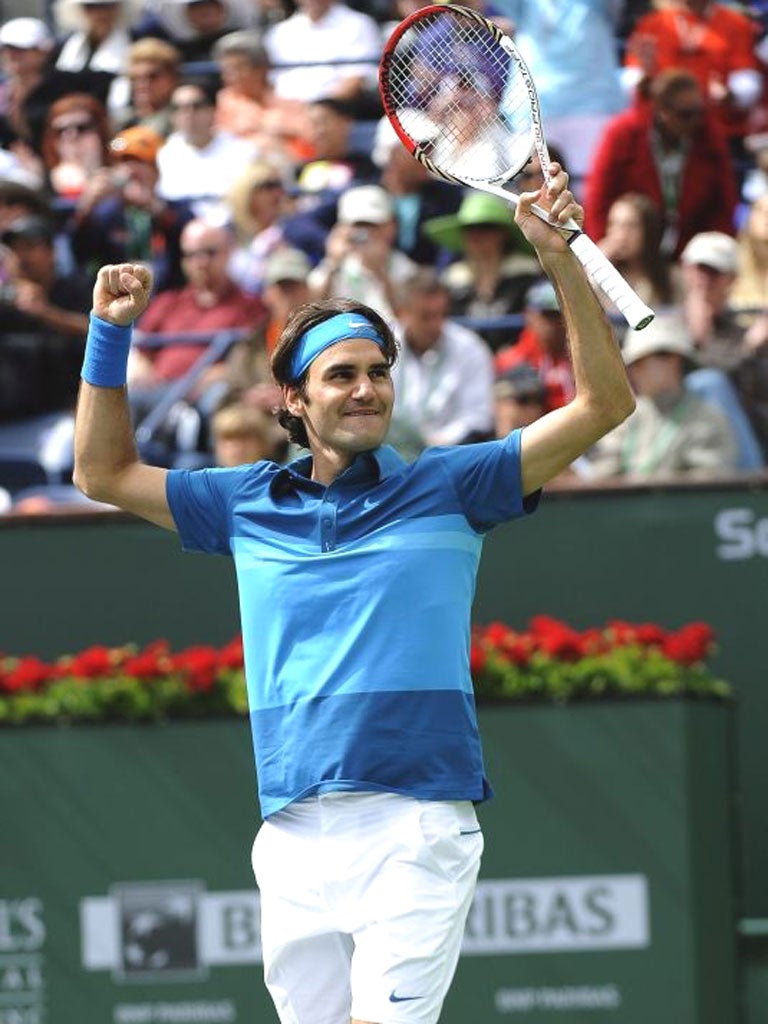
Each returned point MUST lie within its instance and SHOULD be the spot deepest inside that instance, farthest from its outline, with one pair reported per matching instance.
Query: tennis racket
(464, 104)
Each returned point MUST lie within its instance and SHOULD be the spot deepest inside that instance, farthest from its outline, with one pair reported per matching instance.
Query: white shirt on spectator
(341, 34)
(354, 281)
(443, 395)
(187, 171)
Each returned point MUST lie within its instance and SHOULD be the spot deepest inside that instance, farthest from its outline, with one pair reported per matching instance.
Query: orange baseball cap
(137, 143)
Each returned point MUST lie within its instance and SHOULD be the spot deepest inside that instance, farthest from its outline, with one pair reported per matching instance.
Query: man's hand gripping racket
(463, 102)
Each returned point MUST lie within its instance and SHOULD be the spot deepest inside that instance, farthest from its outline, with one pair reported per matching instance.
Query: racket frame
(601, 272)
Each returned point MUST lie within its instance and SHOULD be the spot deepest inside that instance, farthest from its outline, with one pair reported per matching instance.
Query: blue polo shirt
(355, 605)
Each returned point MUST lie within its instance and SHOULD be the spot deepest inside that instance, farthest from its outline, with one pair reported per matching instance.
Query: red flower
(516, 649)
(496, 633)
(478, 659)
(151, 663)
(231, 656)
(556, 639)
(690, 644)
(622, 633)
(95, 661)
(651, 635)
(27, 674)
(199, 666)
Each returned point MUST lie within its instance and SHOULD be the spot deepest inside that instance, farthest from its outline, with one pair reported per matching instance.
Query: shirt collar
(372, 466)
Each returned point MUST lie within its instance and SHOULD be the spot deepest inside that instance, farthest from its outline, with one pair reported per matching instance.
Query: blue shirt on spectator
(355, 604)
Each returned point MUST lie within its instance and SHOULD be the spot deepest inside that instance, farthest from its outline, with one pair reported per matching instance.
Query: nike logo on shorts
(402, 999)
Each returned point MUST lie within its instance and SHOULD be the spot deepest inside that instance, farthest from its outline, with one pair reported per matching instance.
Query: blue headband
(323, 335)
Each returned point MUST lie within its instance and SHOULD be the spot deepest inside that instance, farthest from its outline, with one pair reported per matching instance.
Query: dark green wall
(646, 555)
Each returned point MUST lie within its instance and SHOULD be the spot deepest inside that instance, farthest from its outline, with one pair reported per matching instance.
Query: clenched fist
(122, 292)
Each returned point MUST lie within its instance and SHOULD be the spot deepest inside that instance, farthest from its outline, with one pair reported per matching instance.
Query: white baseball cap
(712, 249)
(365, 204)
(667, 332)
(26, 34)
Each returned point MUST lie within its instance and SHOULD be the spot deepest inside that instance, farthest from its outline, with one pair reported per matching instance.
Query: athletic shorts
(364, 897)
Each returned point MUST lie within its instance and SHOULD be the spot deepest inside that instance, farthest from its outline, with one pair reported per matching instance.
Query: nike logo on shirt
(402, 999)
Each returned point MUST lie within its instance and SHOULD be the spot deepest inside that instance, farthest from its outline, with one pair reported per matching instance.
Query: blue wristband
(106, 353)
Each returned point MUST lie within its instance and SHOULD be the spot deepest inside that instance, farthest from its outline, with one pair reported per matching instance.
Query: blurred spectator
(29, 84)
(338, 164)
(210, 301)
(242, 434)
(319, 33)
(755, 181)
(194, 26)
(43, 323)
(199, 161)
(120, 217)
(26, 45)
(671, 151)
(733, 359)
(709, 263)
(75, 143)
(18, 162)
(519, 398)
(632, 242)
(257, 202)
(573, 61)
(444, 376)
(497, 267)
(99, 40)
(247, 105)
(416, 194)
(18, 200)
(360, 262)
(714, 42)
(285, 287)
(153, 74)
(543, 345)
(748, 296)
(671, 431)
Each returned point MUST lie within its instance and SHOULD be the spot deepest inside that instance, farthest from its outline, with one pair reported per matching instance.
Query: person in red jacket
(671, 150)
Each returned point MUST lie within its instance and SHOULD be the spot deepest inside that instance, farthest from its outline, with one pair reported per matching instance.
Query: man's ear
(293, 400)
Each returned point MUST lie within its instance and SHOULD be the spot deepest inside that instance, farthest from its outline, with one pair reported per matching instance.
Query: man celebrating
(363, 719)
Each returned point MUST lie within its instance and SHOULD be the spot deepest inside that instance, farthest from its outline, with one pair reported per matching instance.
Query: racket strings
(461, 96)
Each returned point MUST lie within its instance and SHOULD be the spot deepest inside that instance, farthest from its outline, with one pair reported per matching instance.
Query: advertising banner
(126, 895)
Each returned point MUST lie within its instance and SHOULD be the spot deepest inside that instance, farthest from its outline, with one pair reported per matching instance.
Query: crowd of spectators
(238, 148)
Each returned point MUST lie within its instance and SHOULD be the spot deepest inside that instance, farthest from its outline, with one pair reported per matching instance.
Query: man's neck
(328, 465)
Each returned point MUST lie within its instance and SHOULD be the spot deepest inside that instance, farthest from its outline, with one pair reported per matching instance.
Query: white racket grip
(609, 280)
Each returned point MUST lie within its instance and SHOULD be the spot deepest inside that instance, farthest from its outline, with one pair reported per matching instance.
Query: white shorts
(363, 902)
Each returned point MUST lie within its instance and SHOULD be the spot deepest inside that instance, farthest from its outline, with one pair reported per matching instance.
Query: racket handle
(609, 280)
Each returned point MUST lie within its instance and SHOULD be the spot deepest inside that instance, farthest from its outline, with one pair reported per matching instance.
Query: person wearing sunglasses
(153, 73)
(75, 143)
(671, 149)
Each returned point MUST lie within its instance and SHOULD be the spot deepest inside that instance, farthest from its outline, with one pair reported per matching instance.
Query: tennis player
(356, 573)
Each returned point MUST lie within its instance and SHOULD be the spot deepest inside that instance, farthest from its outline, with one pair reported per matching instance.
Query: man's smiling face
(347, 402)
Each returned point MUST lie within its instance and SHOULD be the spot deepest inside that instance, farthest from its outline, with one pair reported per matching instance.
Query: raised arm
(107, 465)
(603, 395)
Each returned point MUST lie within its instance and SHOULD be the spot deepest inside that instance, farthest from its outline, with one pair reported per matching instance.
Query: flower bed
(548, 661)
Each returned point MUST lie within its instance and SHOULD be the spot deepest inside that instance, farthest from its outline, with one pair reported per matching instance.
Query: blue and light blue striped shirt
(355, 605)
